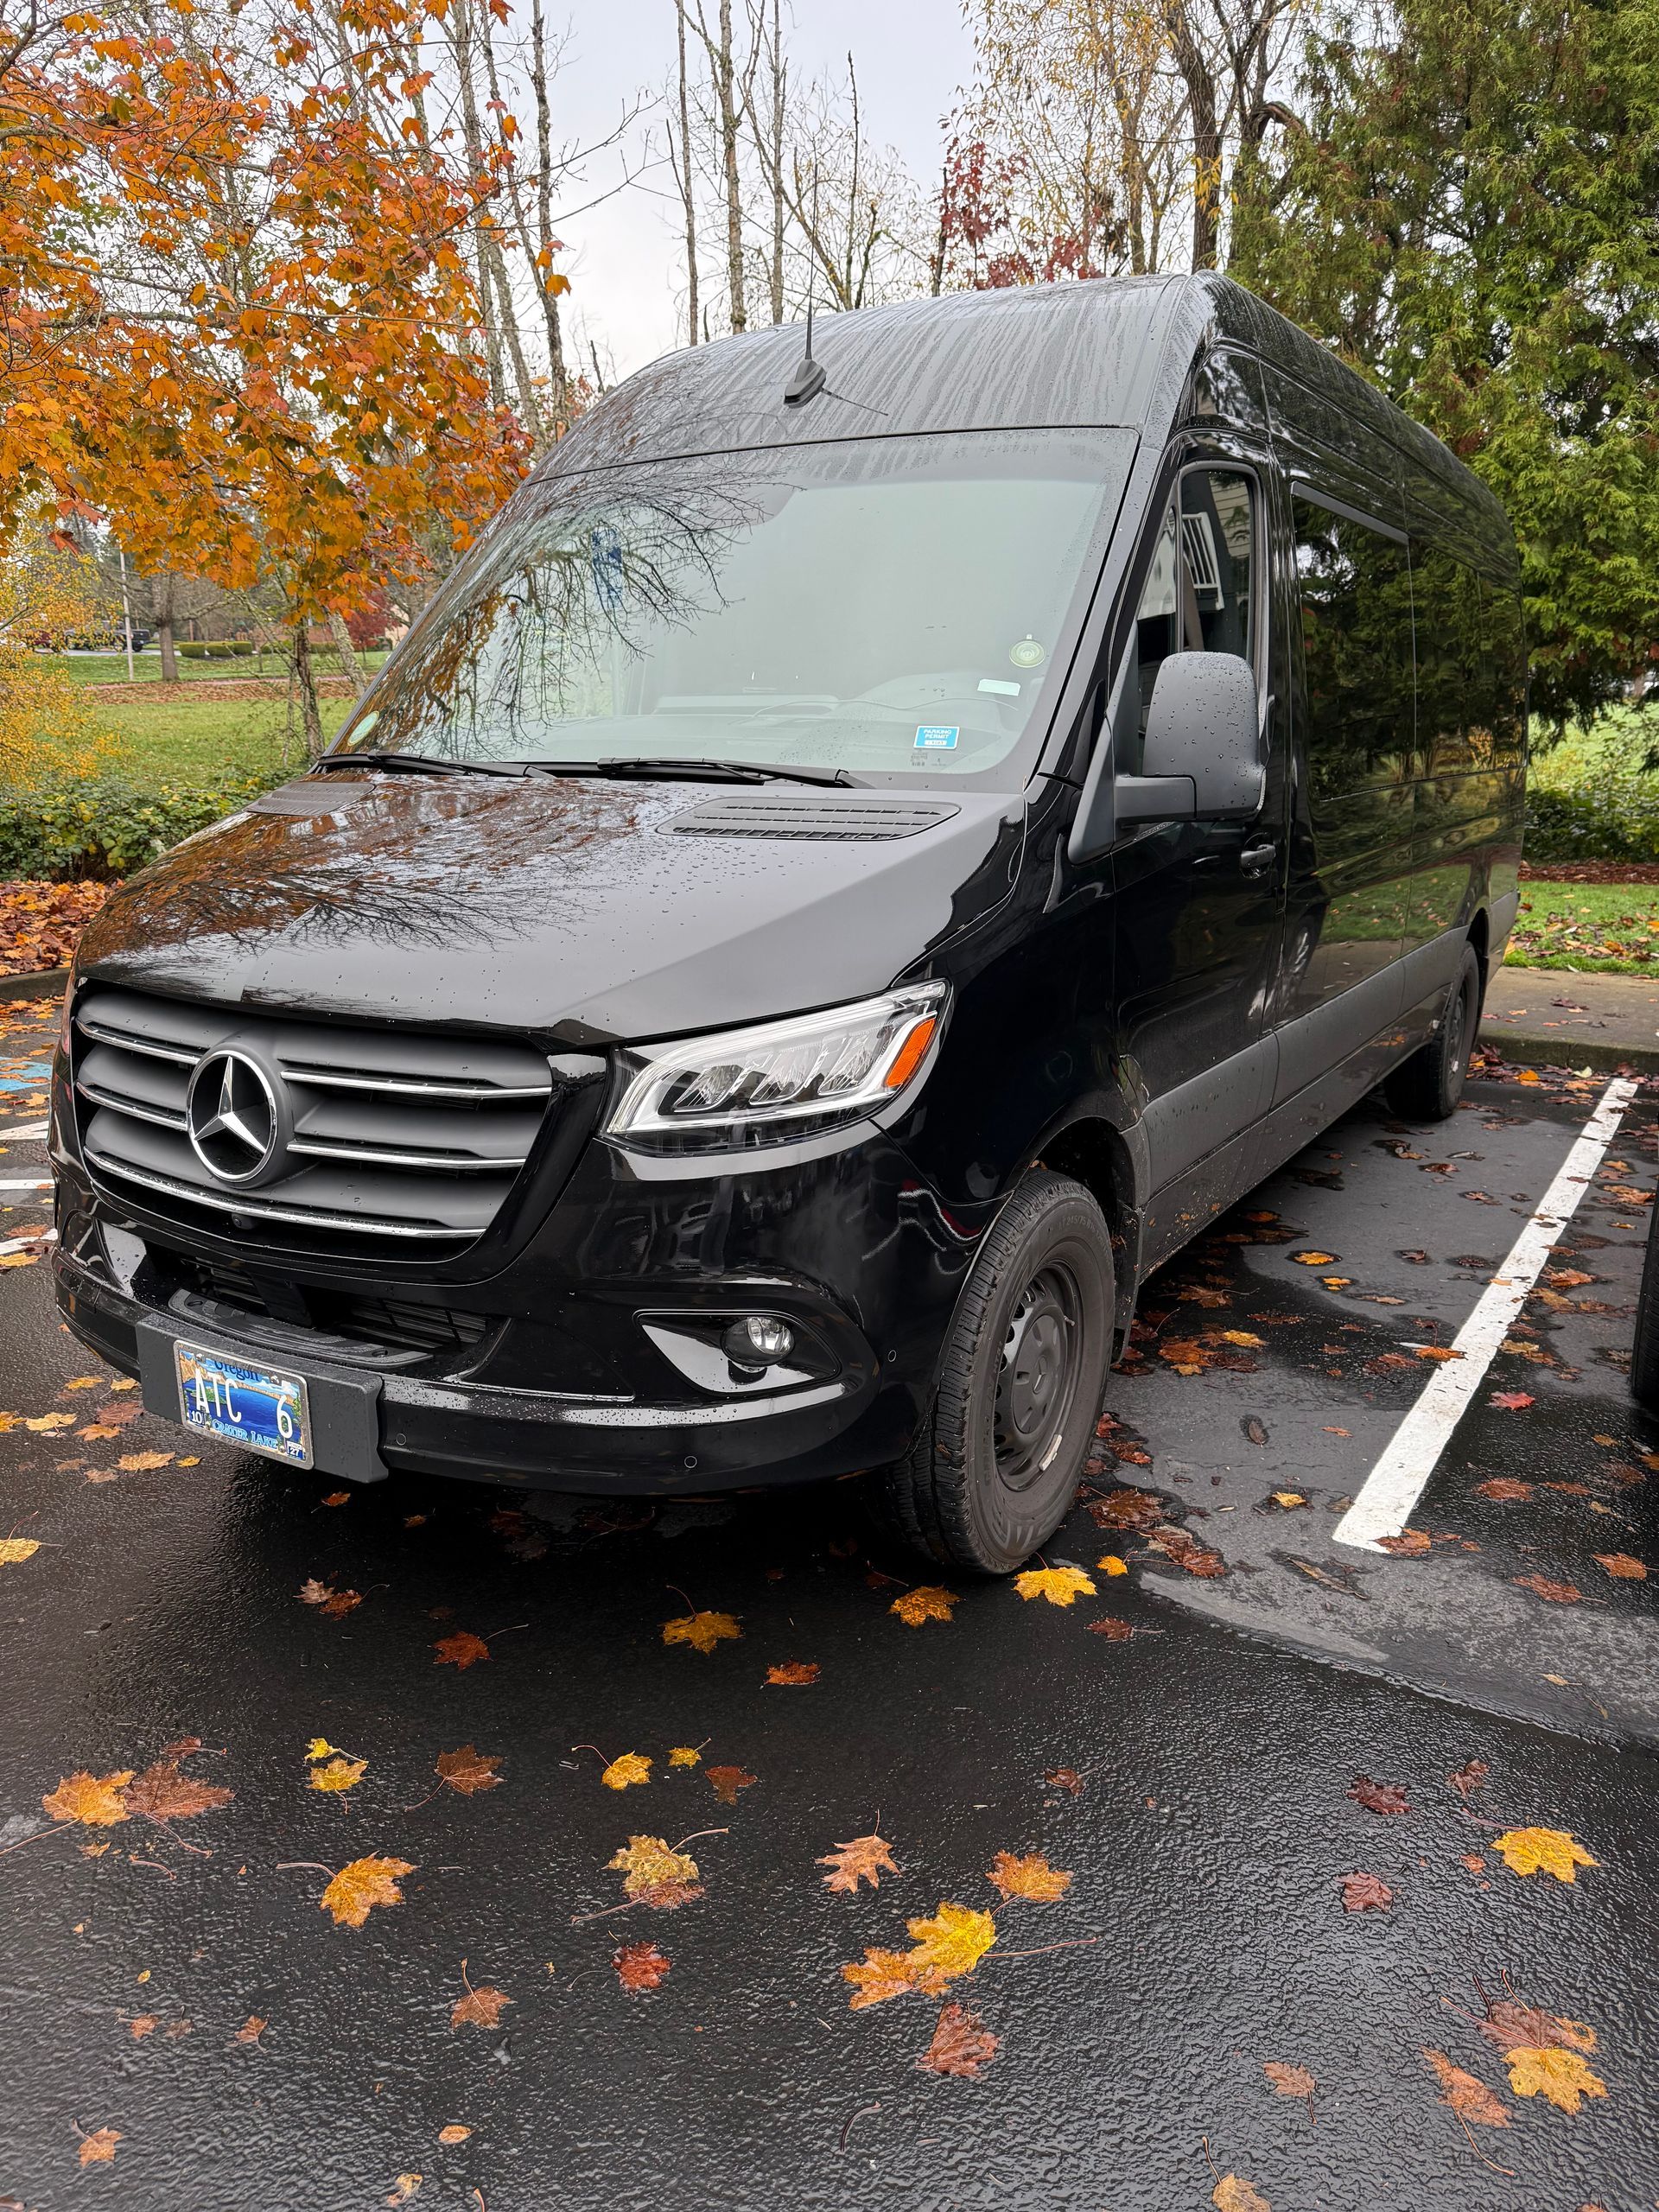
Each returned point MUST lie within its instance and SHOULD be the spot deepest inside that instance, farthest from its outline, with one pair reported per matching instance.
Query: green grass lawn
(1607, 928)
(112, 668)
(210, 741)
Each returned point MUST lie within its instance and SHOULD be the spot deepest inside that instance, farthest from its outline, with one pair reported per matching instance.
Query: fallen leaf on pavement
(251, 2030)
(795, 1674)
(928, 1603)
(145, 2024)
(951, 1942)
(42, 1424)
(1542, 1851)
(361, 1884)
(632, 1768)
(405, 2187)
(1556, 1593)
(1436, 1352)
(639, 1966)
(1466, 2094)
(1511, 1401)
(1620, 1565)
(14, 1550)
(1288, 1499)
(1379, 1797)
(462, 1649)
(161, 1793)
(1114, 1631)
(1188, 1553)
(141, 1463)
(1125, 1509)
(339, 1774)
(702, 1631)
(1289, 2081)
(468, 1771)
(1061, 1585)
(1468, 1778)
(1560, 2075)
(97, 1801)
(1232, 2193)
(728, 1780)
(98, 2148)
(335, 1603)
(1504, 1489)
(685, 1755)
(1514, 2026)
(1032, 1878)
(334, 1497)
(654, 1873)
(1111, 1564)
(1365, 1893)
(1064, 1777)
(867, 1857)
(455, 2133)
(1410, 1544)
(479, 2008)
(1312, 1259)
(963, 2045)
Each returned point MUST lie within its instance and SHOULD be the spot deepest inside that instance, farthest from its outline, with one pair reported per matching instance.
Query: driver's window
(1198, 595)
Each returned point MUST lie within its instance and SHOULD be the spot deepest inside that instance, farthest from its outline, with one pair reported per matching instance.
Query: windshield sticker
(937, 736)
(1003, 691)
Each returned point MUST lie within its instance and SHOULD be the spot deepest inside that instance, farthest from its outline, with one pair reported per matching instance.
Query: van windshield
(883, 607)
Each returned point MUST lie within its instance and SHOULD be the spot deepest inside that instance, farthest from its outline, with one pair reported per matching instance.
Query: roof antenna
(807, 381)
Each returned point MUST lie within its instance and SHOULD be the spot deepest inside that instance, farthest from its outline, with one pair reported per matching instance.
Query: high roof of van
(1112, 351)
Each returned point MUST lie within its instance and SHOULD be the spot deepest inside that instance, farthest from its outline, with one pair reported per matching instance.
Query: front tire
(1428, 1086)
(997, 1456)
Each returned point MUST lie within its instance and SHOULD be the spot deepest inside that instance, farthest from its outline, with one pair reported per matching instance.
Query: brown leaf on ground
(639, 1966)
(98, 2148)
(1511, 1402)
(1504, 1489)
(1379, 1797)
(1622, 1566)
(1555, 1593)
(455, 2133)
(161, 1793)
(1289, 2081)
(1066, 1778)
(251, 2030)
(728, 1780)
(1365, 1893)
(654, 1873)
(963, 2045)
(479, 2008)
(1466, 2094)
(1188, 1553)
(1232, 2193)
(867, 1857)
(1125, 1509)
(361, 1884)
(1468, 1778)
(145, 2024)
(97, 1801)
(926, 1603)
(466, 1771)
(1512, 2025)
(1410, 1544)
(462, 1649)
(1114, 1631)
(1032, 1877)
(794, 1673)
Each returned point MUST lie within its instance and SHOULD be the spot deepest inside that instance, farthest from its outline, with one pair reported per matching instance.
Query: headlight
(780, 1080)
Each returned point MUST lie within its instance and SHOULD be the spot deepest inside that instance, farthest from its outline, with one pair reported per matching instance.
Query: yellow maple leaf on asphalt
(1560, 2075)
(1111, 1564)
(630, 1768)
(654, 1873)
(1232, 2193)
(1542, 1851)
(1032, 1878)
(42, 1424)
(97, 1801)
(683, 1755)
(702, 1631)
(320, 1748)
(361, 1884)
(928, 1603)
(954, 1940)
(339, 1774)
(14, 1550)
(1061, 1585)
(98, 2148)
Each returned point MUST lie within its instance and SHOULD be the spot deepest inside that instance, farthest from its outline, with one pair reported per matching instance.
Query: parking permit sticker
(937, 737)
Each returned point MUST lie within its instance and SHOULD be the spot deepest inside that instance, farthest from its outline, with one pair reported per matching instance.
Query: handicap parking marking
(1388, 1495)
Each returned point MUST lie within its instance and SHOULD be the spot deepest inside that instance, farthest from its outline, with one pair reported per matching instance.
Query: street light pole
(126, 610)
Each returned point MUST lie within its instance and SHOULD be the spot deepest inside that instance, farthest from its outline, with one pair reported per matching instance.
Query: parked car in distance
(865, 859)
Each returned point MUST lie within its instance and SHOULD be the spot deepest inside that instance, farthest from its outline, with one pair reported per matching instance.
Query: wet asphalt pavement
(1189, 1766)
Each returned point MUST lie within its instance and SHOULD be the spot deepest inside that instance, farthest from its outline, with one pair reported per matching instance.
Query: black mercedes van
(864, 859)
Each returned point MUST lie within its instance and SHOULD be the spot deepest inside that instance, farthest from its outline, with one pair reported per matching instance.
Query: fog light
(757, 1340)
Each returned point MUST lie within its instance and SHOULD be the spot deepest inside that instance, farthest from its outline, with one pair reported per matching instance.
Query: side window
(1199, 595)
(1455, 701)
(1356, 655)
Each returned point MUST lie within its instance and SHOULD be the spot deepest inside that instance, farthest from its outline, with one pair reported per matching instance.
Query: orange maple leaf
(161, 1793)
(97, 1801)
(98, 2148)
(1466, 2094)
(479, 2008)
(461, 1649)
(362, 1884)
(867, 1857)
(794, 1673)
(639, 1966)
(654, 1873)
(1032, 1878)
(728, 1780)
(702, 1631)
(927, 1603)
(468, 1771)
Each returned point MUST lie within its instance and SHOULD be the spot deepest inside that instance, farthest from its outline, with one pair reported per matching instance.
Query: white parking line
(20, 1131)
(1388, 1494)
(35, 1183)
(22, 1244)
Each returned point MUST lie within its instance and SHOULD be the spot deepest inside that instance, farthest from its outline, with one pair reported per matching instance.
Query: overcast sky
(623, 260)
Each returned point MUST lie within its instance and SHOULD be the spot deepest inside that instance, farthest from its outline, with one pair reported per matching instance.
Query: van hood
(598, 909)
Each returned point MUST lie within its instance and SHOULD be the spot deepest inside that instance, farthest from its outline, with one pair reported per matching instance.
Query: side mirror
(1203, 755)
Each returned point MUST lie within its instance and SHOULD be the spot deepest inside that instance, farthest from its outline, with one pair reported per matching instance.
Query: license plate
(257, 1407)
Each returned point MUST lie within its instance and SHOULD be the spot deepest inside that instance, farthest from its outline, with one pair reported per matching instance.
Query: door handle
(1254, 858)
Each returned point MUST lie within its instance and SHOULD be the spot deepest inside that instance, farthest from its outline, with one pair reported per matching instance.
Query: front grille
(385, 1138)
(224, 1294)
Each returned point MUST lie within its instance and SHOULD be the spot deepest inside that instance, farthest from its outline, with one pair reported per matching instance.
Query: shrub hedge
(1616, 818)
(96, 826)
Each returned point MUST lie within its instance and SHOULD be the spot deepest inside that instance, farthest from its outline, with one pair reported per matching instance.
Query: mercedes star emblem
(231, 1118)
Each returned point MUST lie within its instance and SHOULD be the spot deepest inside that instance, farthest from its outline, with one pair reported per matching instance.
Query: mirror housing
(1203, 754)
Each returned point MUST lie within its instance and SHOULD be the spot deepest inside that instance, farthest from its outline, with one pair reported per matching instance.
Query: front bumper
(568, 1388)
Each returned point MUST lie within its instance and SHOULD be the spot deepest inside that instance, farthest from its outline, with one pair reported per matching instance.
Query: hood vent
(855, 819)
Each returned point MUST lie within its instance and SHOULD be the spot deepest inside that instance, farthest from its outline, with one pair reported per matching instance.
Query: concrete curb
(1575, 1052)
(44, 983)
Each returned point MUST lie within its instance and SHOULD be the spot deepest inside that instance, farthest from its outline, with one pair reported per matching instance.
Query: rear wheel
(1644, 1354)
(1428, 1086)
(997, 1457)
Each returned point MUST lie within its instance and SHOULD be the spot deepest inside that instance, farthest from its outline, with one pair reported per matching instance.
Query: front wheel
(996, 1458)
(1428, 1086)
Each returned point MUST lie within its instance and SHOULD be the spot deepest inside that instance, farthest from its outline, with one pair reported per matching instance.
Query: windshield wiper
(728, 772)
(422, 764)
